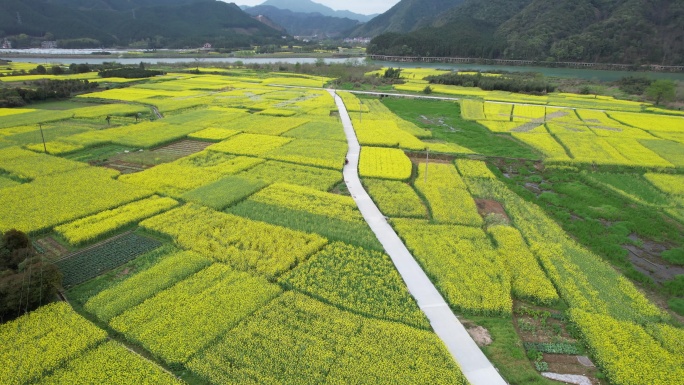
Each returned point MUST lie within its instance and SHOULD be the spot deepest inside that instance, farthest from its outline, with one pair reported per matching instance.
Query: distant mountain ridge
(169, 23)
(308, 6)
(305, 24)
(604, 31)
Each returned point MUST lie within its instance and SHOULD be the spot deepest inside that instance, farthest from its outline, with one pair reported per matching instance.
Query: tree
(392, 73)
(661, 90)
(41, 70)
(26, 280)
(57, 70)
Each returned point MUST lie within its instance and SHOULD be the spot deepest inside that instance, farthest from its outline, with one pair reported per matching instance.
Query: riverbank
(530, 63)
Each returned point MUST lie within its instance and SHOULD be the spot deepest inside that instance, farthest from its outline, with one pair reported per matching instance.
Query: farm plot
(110, 362)
(667, 183)
(462, 263)
(317, 343)
(385, 133)
(250, 144)
(320, 129)
(264, 125)
(224, 192)
(180, 321)
(310, 200)
(42, 341)
(186, 174)
(246, 245)
(395, 199)
(213, 134)
(60, 198)
(30, 165)
(544, 143)
(131, 292)
(473, 109)
(334, 229)
(97, 226)
(280, 172)
(90, 263)
(359, 280)
(311, 152)
(385, 163)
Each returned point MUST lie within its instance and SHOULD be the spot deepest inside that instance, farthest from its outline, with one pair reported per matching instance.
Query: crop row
(528, 281)
(447, 195)
(30, 165)
(474, 169)
(385, 133)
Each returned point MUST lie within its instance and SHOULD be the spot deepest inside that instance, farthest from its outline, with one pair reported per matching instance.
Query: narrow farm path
(474, 365)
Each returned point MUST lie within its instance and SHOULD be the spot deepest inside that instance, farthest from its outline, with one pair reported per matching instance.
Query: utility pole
(360, 112)
(42, 136)
(427, 161)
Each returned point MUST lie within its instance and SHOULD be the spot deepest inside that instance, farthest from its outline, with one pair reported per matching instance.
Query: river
(589, 74)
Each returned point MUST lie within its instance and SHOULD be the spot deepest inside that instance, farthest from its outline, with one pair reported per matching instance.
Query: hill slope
(304, 24)
(617, 31)
(406, 16)
(184, 23)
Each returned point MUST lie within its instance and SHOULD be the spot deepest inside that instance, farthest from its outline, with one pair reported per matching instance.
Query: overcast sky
(365, 7)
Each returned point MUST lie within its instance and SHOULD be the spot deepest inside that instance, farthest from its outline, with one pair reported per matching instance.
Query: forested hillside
(615, 31)
(179, 23)
(406, 16)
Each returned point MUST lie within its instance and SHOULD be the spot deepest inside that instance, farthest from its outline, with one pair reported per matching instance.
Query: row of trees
(43, 90)
(509, 83)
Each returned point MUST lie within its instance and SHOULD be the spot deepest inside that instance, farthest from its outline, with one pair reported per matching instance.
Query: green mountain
(304, 24)
(608, 31)
(177, 23)
(406, 16)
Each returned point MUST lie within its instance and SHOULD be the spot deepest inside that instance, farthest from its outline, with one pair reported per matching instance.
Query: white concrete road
(474, 364)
